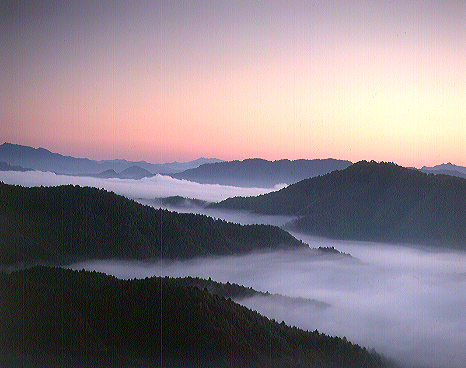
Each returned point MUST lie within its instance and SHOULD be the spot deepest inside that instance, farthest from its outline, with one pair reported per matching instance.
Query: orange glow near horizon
(163, 84)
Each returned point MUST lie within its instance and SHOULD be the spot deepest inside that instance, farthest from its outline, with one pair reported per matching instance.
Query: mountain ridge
(44, 160)
(370, 201)
(67, 223)
(256, 172)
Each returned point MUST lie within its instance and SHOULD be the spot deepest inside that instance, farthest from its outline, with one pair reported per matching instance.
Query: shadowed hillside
(56, 312)
(66, 223)
(371, 201)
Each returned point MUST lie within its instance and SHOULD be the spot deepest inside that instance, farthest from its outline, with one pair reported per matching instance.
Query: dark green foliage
(65, 223)
(53, 311)
(371, 201)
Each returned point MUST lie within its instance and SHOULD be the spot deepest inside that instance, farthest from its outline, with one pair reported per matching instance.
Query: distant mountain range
(370, 201)
(247, 173)
(260, 173)
(446, 169)
(43, 160)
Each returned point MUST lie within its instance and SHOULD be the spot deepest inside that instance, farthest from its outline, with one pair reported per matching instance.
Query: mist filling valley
(407, 302)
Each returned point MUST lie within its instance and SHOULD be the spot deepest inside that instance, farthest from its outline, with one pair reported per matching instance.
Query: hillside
(259, 172)
(53, 312)
(65, 223)
(371, 201)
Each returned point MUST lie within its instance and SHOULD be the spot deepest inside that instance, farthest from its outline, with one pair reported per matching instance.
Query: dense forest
(371, 201)
(55, 312)
(66, 223)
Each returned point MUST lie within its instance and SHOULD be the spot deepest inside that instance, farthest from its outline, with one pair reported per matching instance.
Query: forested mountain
(52, 312)
(65, 223)
(371, 201)
(260, 173)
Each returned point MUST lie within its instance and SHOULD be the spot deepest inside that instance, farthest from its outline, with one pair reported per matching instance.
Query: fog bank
(408, 303)
(146, 188)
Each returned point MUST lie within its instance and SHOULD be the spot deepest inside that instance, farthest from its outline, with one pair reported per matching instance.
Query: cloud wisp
(146, 188)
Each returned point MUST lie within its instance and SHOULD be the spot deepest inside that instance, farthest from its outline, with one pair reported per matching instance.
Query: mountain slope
(259, 172)
(371, 201)
(56, 312)
(61, 224)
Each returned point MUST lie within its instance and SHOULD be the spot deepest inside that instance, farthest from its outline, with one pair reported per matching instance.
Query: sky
(165, 81)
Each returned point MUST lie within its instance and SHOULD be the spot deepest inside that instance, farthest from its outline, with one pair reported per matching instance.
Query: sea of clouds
(157, 186)
(406, 301)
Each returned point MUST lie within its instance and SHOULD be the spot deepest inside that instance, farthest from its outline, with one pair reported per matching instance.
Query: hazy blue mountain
(182, 166)
(260, 173)
(107, 174)
(120, 165)
(447, 169)
(135, 172)
(6, 167)
(43, 160)
(371, 201)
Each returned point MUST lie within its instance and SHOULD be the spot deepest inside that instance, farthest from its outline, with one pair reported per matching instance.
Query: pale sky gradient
(176, 80)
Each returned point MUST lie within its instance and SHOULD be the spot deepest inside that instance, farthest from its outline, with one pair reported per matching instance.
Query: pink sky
(168, 80)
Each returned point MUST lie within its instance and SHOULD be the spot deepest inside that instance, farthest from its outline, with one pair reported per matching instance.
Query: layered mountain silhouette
(370, 201)
(133, 172)
(43, 160)
(447, 169)
(260, 173)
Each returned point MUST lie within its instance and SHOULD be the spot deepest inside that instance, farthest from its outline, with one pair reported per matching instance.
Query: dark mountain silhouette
(6, 167)
(59, 315)
(67, 223)
(182, 166)
(107, 174)
(446, 169)
(178, 201)
(43, 160)
(135, 172)
(260, 173)
(371, 201)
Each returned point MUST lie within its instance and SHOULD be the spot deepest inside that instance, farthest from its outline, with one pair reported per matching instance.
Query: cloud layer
(146, 188)
(406, 302)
